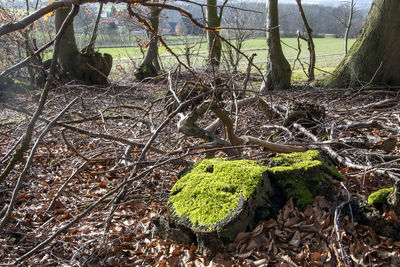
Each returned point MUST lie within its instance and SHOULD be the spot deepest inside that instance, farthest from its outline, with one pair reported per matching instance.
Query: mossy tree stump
(219, 198)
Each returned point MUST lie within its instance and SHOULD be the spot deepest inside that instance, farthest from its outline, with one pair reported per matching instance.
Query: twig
(88, 133)
(4, 159)
(172, 90)
(28, 165)
(53, 201)
(29, 130)
(336, 228)
(87, 211)
(248, 71)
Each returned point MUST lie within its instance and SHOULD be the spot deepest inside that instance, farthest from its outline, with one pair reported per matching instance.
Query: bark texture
(374, 58)
(91, 68)
(150, 66)
(278, 68)
(214, 43)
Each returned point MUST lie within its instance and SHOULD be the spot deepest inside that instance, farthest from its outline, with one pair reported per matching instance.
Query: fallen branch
(187, 126)
(53, 201)
(87, 211)
(28, 165)
(369, 124)
(88, 133)
(336, 229)
(18, 156)
(278, 148)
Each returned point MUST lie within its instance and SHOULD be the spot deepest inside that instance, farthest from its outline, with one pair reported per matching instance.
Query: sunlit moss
(379, 196)
(214, 188)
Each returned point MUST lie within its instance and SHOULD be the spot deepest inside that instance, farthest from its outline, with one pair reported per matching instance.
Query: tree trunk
(310, 42)
(214, 43)
(348, 26)
(91, 68)
(150, 66)
(278, 68)
(375, 57)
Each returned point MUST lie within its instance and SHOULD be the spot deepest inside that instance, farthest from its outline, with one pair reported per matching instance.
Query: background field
(329, 53)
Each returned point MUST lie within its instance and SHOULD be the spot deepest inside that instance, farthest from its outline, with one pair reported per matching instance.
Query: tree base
(90, 68)
(218, 199)
(145, 71)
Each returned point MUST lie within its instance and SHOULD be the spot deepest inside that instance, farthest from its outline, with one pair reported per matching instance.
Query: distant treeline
(323, 19)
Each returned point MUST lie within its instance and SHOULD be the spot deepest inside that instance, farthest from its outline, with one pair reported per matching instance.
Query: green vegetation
(329, 52)
(380, 196)
(299, 175)
(213, 189)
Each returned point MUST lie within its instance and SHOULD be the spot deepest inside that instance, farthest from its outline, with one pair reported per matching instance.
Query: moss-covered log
(375, 56)
(92, 68)
(218, 198)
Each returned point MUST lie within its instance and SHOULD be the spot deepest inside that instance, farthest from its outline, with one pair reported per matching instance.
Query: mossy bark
(150, 66)
(218, 198)
(92, 68)
(214, 43)
(374, 57)
(278, 68)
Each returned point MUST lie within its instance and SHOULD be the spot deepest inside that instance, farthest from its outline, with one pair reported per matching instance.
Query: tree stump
(219, 198)
(380, 212)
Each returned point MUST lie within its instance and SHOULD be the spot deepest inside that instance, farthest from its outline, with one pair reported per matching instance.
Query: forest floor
(90, 161)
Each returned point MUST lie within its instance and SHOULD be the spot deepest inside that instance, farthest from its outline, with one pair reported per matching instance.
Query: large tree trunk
(214, 43)
(150, 66)
(375, 56)
(278, 68)
(92, 68)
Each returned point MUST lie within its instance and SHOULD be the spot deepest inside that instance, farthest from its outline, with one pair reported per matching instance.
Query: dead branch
(87, 211)
(336, 229)
(240, 103)
(224, 117)
(88, 133)
(71, 147)
(59, 192)
(341, 160)
(278, 148)
(187, 126)
(8, 154)
(28, 165)
(369, 124)
(29, 130)
(246, 80)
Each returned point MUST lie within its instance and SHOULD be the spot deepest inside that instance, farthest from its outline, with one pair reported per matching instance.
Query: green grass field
(329, 52)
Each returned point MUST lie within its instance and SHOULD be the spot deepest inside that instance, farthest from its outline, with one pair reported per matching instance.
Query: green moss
(213, 189)
(299, 175)
(379, 196)
(298, 160)
(333, 172)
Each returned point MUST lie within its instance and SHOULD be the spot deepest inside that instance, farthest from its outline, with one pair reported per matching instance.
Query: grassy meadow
(329, 53)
